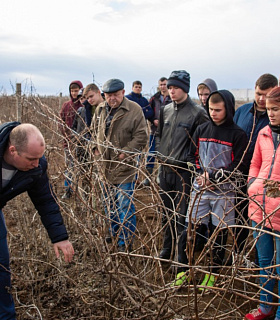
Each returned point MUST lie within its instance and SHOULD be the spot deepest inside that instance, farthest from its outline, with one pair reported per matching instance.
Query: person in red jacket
(264, 206)
(67, 115)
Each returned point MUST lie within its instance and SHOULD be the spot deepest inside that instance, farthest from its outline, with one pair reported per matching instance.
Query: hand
(156, 122)
(121, 156)
(96, 152)
(203, 180)
(67, 249)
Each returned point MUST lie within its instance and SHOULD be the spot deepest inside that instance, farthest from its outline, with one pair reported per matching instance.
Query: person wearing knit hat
(204, 89)
(177, 122)
(180, 79)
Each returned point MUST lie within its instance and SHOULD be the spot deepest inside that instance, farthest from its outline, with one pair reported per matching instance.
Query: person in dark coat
(24, 168)
(177, 123)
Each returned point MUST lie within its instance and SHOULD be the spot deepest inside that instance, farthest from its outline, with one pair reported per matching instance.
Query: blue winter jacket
(143, 103)
(37, 185)
(244, 118)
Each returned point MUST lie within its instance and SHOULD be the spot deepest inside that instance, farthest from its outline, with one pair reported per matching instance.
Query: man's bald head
(23, 134)
(26, 147)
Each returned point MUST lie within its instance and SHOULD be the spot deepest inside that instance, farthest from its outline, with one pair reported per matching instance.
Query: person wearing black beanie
(177, 122)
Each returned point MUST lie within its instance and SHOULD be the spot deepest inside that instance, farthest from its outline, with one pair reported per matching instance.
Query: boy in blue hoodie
(216, 157)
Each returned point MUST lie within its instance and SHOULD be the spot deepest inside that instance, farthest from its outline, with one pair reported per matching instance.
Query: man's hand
(156, 122)
(67, 249)
(96, 152)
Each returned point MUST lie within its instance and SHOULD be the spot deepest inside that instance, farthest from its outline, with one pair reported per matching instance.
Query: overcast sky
(50, 43)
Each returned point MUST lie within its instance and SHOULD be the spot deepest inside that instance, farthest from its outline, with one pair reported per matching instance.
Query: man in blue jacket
(24, 168)
(252, 117)
(136, 96)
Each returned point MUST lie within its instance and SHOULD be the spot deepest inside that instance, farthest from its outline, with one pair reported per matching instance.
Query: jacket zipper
(172, 126)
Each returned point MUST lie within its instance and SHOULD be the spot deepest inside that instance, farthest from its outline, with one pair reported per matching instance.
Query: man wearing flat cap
(177, 123)
(120, 134)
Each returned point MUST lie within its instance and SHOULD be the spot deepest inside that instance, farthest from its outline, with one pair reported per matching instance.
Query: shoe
(208, 281)
(257, 314)
(180, 279)
(165, 254)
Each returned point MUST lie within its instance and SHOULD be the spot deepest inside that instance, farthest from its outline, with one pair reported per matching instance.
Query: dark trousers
(7, 308)
(241, 218)
(216, 247)
(175, 192)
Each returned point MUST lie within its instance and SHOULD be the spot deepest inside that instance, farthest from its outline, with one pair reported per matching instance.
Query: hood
(5, 130)
(210, 83)
(79, 83)
(229, 104)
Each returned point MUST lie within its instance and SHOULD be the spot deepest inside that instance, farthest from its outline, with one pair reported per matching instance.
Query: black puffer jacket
(37, 184)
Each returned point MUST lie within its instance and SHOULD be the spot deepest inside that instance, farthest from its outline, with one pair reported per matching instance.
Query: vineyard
(102, 283)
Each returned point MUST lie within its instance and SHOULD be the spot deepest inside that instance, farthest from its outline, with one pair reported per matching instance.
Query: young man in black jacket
(24, 168)
(177, 123)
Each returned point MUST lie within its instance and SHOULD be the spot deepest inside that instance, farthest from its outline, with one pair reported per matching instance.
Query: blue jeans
(119, 201)
(265, 248)
(152, 148)
(7, 307)
(69, 161)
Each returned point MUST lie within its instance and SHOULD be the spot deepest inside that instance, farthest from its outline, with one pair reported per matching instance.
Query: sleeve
(193, 155)
(139, 133)
(202, 117)
(147, 109)
(160, 127)
(41, 194)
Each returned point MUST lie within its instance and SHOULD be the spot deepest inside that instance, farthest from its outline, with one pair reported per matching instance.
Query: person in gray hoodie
(204, 89)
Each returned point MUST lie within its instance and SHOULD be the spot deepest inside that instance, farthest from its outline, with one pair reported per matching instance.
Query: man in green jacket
(119, 135)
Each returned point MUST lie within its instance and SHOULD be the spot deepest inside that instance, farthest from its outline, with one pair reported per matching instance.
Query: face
(114, 99)
(137, 88)
(25, 161)
(217, 112)
(163, 87)
(93, 97)
(177, 94)
(74, 93)
(260, 98)
(273, 112)
(203, 95)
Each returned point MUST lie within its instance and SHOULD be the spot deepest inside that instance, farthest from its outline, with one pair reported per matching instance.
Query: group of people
(204, 153)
